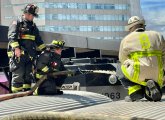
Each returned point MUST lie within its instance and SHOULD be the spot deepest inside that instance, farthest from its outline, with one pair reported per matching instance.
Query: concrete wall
(135, 8)
(82, 42)
(86, 44)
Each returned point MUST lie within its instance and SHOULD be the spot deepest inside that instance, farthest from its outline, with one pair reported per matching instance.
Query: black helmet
(56, 44)
(32, 9)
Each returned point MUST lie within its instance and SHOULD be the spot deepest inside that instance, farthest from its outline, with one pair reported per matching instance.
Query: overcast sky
(154, 13)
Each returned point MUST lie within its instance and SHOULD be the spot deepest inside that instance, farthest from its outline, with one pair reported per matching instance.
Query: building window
(8, 5)
(51, 5)
(84, 28)
(8, 17)
(119, 38)
(83, 17)
(42, 17)
(90, 17)
(55, 17)
(109, 6)
(97, 6)
(82, 6)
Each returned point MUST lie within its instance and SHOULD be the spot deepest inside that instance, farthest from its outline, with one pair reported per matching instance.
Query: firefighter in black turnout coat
(50, 61)
(24, 39)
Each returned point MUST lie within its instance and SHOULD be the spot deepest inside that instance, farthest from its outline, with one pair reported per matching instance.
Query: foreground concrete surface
(79, 105)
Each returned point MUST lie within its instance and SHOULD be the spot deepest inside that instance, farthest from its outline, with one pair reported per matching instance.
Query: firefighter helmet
(32, 9)
(56, 44)
(134, 20)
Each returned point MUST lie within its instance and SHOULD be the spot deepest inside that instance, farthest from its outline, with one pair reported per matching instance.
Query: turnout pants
(50, 86)
(21, 76)
(136, 91)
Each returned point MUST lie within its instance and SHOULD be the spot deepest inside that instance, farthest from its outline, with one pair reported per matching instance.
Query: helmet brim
(54, 46)
(35, 15)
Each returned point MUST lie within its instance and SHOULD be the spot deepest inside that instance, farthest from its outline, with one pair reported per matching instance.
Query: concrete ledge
(62, 116)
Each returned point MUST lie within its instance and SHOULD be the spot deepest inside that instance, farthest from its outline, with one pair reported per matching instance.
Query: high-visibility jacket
(142, 56)
(24, 35)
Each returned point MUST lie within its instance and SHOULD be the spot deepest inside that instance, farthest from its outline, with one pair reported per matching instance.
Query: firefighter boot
(59, 92)
(135, 93)
(154, 92)
(134, 98)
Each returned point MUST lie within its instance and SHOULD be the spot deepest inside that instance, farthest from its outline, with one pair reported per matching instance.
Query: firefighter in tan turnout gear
(142, 57)
(48, 62)
(23, 38)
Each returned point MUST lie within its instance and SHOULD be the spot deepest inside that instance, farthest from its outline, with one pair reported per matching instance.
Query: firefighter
(50, 61)
(142, 57)
(24, 39)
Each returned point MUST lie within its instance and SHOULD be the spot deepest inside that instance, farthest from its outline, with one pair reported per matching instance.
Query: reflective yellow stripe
(144, 41)
(14, 44)
(26, 85)
(16, 89)
(160, 68)
(45, 69)
(136, 69)
(22, 52)
(133, 89)
(139, 54)
(36, 91)
(10, 54)
(29, 37)
(135, 56)
(38, 76)
(41, 46)
(124, 70)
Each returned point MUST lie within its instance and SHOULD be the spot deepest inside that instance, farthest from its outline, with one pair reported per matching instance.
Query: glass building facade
(104, 20)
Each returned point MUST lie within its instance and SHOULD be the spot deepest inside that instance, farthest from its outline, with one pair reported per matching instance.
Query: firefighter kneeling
(48, 62)
(142, 57)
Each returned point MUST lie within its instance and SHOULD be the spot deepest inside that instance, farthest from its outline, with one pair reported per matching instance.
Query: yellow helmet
(57, 44)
